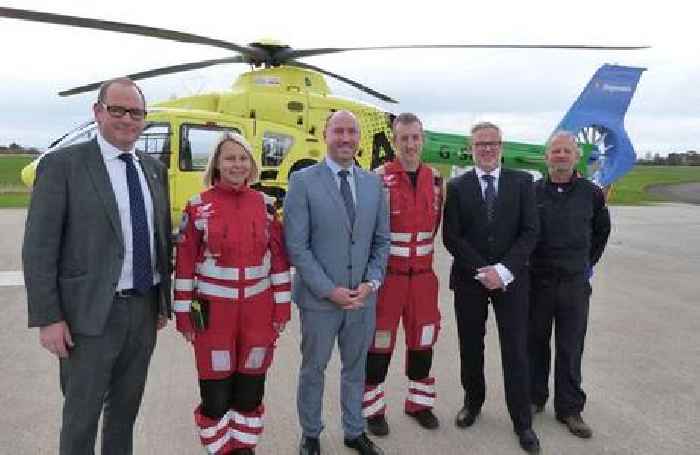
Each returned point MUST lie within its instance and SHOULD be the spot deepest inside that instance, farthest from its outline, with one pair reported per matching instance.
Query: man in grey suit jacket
(96, 260)
(337, 236)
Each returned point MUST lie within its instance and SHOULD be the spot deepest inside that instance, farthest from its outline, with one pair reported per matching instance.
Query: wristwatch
(374, 285)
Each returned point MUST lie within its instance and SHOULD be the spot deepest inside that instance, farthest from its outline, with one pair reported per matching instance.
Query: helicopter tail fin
(597, 117)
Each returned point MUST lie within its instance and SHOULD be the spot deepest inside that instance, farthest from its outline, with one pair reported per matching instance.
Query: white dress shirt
(116, 169)
(503, 272)
(335, 168)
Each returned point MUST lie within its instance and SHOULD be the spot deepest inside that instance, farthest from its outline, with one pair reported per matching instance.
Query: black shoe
(528, 440)
(576, 425)
(466, 418)
(425, 418)
(244, 451)
(309, 446)
(536, 408)
(364, 445)
(377, 425)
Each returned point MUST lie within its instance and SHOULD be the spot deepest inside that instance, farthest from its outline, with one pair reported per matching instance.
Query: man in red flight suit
(231, 255)
(410, 289)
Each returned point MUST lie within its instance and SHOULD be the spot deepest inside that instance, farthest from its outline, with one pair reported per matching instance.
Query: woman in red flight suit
(231, 260)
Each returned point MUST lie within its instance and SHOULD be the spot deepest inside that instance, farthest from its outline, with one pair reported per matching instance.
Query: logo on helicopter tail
(615, 88)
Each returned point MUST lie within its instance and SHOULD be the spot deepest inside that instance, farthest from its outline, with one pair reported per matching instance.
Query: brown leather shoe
(576, 425)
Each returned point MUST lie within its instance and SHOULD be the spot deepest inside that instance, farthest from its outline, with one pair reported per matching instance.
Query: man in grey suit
(337, 236)
(96, 260)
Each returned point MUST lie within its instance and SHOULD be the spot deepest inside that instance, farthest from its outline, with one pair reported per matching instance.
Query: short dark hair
(102, 93)
(406, 118)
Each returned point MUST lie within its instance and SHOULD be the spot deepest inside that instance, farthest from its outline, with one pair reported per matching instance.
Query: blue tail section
(598, 117)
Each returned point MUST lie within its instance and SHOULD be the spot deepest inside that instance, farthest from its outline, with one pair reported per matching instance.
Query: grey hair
(563, 134)
(485, 126)
(212, 174)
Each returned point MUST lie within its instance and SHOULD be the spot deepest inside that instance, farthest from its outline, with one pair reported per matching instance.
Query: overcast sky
(527, 92)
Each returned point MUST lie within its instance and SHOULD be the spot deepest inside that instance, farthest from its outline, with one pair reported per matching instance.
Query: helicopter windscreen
(154, 140)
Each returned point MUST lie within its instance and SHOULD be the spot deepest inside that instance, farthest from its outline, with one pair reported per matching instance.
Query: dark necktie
(489, 196)
(142, 270)
(346, 193)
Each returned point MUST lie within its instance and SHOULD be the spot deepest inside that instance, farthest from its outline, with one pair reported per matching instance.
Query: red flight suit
(230, 253)
(410, 289)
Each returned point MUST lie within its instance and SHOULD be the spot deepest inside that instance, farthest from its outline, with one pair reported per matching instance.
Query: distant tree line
(16, 149)
(689, 158)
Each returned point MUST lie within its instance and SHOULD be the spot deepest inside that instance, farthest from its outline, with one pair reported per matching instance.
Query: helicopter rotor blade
(132, 29)
(357, 85)
(286, 54)
(159, 72)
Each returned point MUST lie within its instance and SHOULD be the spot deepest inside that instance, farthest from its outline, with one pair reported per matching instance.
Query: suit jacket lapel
(103, 187)
(477, 194)
(332, 189)
(154, 186)
(360, 192)
(501, 192)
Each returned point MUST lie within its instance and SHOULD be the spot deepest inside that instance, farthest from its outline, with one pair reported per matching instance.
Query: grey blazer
(73, 247)
(322, 245)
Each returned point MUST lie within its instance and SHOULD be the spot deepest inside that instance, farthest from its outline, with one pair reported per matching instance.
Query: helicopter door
(197, 142)
(155, 141)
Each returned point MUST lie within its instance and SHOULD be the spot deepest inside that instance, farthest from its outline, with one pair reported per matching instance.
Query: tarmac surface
(641, 365)
(683, 192)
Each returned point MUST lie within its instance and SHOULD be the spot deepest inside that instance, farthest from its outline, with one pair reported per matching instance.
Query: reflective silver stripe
(209, 269)
(181, 306)
(200, 224)
(372, 394)
(427, 388)
(402, 251)
(400, 236)
(374, 408)
(281, 278)
(215, 290)
(260, 271)
(424, 250)
(184, 284)
(424, 236)
(255, 289)
(421, 399)
(283, 297)
(210, 432)
(245, 438)
(240, 419)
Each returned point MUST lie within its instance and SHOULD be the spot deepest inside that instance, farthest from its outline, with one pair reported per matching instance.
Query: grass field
(630, 190)
(13, 193)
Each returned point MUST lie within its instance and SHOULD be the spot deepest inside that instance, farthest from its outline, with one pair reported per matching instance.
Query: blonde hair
(212, 174)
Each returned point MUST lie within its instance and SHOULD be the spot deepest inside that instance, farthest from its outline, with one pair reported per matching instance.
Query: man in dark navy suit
(490, 227)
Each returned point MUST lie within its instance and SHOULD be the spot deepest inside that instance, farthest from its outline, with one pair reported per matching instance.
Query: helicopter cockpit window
(197, 143)
(82, 134)
(275, 147)
(155, 141)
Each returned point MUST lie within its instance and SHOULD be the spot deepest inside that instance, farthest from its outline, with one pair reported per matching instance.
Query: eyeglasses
(120, 111)
(483, 145)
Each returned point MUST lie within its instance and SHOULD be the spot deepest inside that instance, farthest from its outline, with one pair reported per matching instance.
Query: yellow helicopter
(280, 106)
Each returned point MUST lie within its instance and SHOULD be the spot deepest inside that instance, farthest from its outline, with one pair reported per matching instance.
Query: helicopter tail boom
(598, 116)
